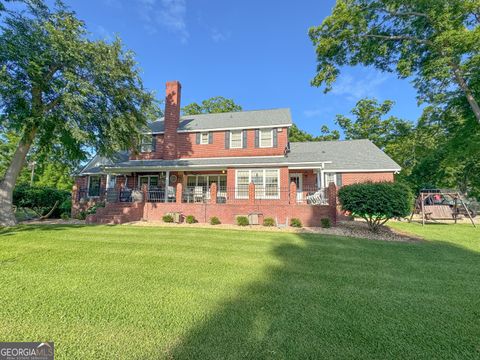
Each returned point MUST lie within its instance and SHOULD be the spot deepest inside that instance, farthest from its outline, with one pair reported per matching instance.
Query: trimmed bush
(167, 218)
(295, 223)
(268, 222)
(376, 202)
(214, 220)
(65, 216)
(42, 199)
(93, 209)
(242, 221)
(325, 223)
(190, 219)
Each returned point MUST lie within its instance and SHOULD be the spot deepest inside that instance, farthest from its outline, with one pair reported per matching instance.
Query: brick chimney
(172, 119)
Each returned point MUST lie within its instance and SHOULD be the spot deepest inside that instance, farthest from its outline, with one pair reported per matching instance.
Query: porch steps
(117, 213)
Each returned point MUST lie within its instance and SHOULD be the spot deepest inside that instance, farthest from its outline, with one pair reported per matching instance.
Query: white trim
(225, 129)
(334, 179)
(260, 138)
(361, 170)
(241, 139)
(300, 184)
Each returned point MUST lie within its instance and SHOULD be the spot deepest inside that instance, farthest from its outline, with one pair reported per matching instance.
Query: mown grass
(151, 293)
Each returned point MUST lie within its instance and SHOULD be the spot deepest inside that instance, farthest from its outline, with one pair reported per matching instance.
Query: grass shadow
(10, 230)
(330, 297)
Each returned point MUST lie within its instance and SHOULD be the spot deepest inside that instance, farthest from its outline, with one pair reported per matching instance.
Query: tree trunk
(7, 217)
(463, 85)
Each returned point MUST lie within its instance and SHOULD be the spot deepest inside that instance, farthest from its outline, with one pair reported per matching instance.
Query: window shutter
(339, 179)
(227, 139)
(257, 138)
(244, 140)
(275, 138)
(197, 138)
(210, 137)
(154, 143)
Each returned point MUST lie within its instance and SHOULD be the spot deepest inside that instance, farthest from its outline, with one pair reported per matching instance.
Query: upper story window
(266, 138)
(147, 143)
(236, 139)
(204, 138)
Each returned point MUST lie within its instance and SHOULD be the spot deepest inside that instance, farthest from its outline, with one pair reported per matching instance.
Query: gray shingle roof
(351, 155)
(240, 119)
(344, 155)
(95, 166)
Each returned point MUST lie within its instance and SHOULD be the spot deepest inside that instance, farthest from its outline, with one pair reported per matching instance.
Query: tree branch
(53, 103)
(397, 38)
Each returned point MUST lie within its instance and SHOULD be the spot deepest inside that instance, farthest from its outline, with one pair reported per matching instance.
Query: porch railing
(308, 195)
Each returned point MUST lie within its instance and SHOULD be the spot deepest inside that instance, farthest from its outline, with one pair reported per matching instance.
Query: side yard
(148, 293)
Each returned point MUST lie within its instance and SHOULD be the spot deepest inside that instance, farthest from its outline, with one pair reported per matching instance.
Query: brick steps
(114, 214)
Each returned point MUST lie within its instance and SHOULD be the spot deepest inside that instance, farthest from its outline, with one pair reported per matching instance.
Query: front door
(298, 180)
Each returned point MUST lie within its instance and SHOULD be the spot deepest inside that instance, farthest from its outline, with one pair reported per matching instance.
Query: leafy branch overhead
(433, 41)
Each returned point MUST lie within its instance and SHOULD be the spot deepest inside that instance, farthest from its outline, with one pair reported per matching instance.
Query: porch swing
(436, 204)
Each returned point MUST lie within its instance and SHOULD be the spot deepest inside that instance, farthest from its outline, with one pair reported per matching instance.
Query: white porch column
(167, 184)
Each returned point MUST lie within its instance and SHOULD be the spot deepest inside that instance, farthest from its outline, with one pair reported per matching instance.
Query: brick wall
(353, 178)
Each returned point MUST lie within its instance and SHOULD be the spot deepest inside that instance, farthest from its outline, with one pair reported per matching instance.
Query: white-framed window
(207, 180)
(204, 137)
(266, 138)
(150, 180)
(94, 182)
(236, 139)
(146, 143)
(329, 178)
(267, 183)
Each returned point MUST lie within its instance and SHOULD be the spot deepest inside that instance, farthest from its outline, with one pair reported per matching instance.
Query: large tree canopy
(217, 104)
(61, 91)
(434, 41)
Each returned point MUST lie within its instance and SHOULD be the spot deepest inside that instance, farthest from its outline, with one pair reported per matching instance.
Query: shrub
(268, 222)
(82, 215)
(295, 223)
(242, 221)
(190, 219)
(376, 202)
(167, 218)
(93, 209)
(325, 223)
(214, 220)
(41, 199)
(65, 216)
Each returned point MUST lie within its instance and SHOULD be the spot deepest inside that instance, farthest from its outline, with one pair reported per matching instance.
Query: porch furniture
(171, 194)
(318, 198)
(198, 194)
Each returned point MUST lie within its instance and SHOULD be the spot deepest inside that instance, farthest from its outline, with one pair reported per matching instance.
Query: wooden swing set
(433, 205)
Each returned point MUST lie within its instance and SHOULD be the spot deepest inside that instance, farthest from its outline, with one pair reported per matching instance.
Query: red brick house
(226, 165)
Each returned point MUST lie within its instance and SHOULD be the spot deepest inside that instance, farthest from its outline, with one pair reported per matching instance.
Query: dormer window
(147, 143)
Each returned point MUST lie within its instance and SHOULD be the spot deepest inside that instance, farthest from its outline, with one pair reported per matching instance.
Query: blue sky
(256, 52)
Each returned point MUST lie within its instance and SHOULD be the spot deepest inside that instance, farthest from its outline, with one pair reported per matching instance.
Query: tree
(297, 135)
(58, 89)
(370, 122)
(217, 104)
(434, 41)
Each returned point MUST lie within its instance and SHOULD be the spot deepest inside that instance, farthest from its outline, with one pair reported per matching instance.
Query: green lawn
(151, 293)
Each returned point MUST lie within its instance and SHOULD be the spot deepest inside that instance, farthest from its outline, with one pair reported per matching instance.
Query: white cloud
(167, 14)
(358, 87)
